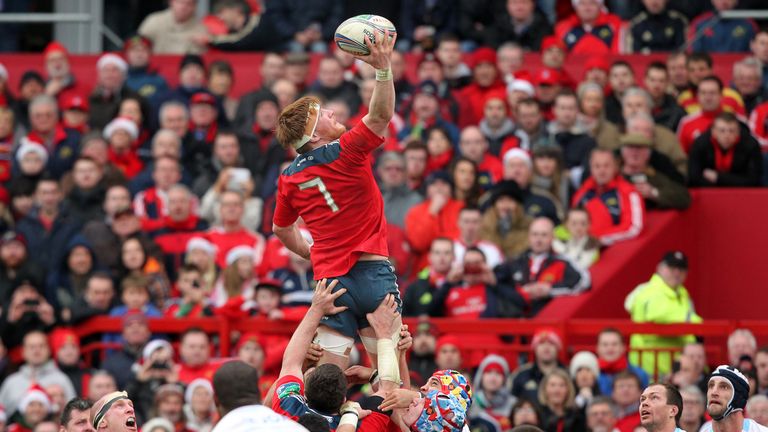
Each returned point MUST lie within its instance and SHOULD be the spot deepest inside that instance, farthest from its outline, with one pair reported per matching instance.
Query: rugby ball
(350, 35)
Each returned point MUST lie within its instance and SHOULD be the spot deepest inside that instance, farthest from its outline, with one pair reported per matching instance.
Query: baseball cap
(55, 47)
(547, 76)
(427, 87)
(191, 59)
(75, 102)
(676, 259)
(203, 98)
(11, 236)
(429, 57)
(483, 55)
(439, 176)
(546, 335)
(636, 140)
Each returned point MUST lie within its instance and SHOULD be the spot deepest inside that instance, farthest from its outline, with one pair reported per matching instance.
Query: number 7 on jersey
(318, 183)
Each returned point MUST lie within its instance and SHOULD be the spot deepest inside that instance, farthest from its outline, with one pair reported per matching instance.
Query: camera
(160, 365)
(32, 303)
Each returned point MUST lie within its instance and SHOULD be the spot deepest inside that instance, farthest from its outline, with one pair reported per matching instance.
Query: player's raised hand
(406, 340)
(324, 297)
(384, 319)
(381, 50)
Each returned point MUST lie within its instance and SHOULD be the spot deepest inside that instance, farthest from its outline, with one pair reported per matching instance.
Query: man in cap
(548, 85)
(553, 55)
(141, 77)
(661, 407)
(662, 300)
(657, 189)
(114, 413)
(61, 82)
(486, 81)
(605, 194)
(436, 217)
(74, 113)
(727, 394)
(546, 346)
(425, 113)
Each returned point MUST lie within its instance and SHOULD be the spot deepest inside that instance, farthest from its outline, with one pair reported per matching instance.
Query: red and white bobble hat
(35, 394)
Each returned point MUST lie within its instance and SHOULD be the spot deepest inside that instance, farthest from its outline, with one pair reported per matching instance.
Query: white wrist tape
(387, 357)
(384, 74)
(348, 419)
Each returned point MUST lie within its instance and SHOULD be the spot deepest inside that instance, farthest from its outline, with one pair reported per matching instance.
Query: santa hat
(518, 153)
(121, 123)
(199, 243)
(522, 85)
(29, 146)
(239, 252)
(35, 394)
(153, 346)
(60, 337)
(54, 47)
(114, 60)
(194, 385)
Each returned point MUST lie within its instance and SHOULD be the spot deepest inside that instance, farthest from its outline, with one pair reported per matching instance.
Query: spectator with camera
(155, 369)
(468, 289)
(25, 310)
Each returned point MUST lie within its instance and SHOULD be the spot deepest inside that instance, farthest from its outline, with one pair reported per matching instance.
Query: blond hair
(557, 373)
(292, 122)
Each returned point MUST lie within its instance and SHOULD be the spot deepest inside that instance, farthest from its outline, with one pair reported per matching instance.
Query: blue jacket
(719, 35)
(148, 84)
(48, 247)
(60, 289)
(605, 380)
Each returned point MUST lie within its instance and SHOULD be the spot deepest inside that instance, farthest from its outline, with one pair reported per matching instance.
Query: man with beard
(727, 393)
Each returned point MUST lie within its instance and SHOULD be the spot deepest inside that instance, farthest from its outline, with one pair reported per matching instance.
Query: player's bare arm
(292, 239)
(322, 304)
(382, 106)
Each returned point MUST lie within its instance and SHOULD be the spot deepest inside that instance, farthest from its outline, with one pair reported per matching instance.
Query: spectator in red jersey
(627, 388)
(435, 217)
(699, 67)
(709, 94)
(230, 232)
(521, 22)
(591, 30)
(74, 113)
(152, 203)
(61, 82)
(474, 147)
(553, 53)
(504, 222)
(171, 232)
(62, 144)
(195, 355)
(121, 133)
(614, 205)
(548, 86)
(467, 291)
(193, 302)
(620, 78)
(546, 346)
(418, 296)
(540, 274)
(725, 156)
(485, 81)
(496, 126)
(748, 81)
(416, 155)
(425, 114)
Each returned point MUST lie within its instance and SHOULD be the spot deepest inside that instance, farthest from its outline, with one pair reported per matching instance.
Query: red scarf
(613, 367)
(438, 162)
(59, 135)
(723, 158)
(128, 163)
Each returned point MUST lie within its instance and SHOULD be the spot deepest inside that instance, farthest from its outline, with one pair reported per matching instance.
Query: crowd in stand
(126, 197)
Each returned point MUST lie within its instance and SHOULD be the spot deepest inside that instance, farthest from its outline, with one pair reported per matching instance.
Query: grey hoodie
(16, 385)
(498, 405)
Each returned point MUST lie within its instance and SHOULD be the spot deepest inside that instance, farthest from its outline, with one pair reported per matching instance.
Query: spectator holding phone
(193, 302)
(156, 368)
(24, 312)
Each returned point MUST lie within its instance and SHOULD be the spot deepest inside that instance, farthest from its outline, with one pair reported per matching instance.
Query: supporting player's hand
(314, 352)
(384, 319)
(406, 340)
(398, 398)
(354, 407)
(324, 297)
(358, 374)
(381, 50)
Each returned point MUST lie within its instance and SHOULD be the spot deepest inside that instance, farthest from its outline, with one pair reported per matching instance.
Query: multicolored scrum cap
(740, 385)
(100, 409)
(313, 116)
(452, 382)
(442, 413)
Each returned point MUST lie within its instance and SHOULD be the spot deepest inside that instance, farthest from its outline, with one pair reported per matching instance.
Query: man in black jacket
(136, 335)
(520, 22)
(725, 156)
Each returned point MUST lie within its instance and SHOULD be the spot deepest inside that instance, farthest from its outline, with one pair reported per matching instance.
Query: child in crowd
(573, 239)
(193, 302)
(134, 294)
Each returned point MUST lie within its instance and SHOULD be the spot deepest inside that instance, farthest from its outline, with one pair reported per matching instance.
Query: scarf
(723, 158)
(613, 367)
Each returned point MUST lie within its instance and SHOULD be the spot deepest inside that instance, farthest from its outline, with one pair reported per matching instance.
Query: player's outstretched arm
(322, 304)
(382, 106)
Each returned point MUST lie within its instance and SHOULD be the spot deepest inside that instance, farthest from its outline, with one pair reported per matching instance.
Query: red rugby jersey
(332, 188)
